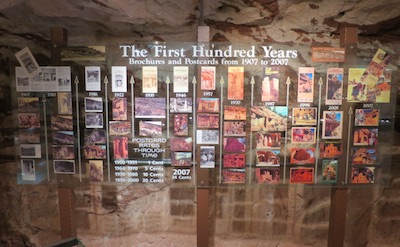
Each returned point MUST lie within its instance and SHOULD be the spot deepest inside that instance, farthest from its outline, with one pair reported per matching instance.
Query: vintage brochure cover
(305, 85)
(332, 125)
(119, 79)
(207, 81)
(235, 83)
(149, 79)
(181, 79)
(334, 86)
(207, 156)
(267, 175)
(269, 118)
(93, 78)
(270, 84)
(329, 171)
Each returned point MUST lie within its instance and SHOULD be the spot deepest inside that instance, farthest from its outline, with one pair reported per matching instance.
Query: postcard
(120, 145)
(207, 156)
(234, 160)
(119, 79)
(95, 136)
(357, 88)
(301, 156)
(330, 149)
(382, 89)
(64, 166)
(207, 81)
(235, 83)
(28, 120)
(329, 171)
(366, 117)
(181, 124)
(268, 175)
(93, 104)
(210, 105)
(149, 79)
(328, 54)
(268, 140)
(30, 135)
(334, 86)
(94, 120)
(27, 61)
(234, 144)
(207, 136)
(63, 152)
(301, 175)
(232, 112)
(150, 128)
(64, 101)
(61, 122)
(303, 134)
(365, 137)
(364, 156)
(305, 86)
(120, 127)
(304, 116)
(63, 137)
(93, 78)
(181, 79)
(181, 159)
(269, 118)
(119, 109)
(270, 84)
(332, 125)
(268, 157)
(362, 175)
(92, 151)
(28, 169)
(181, 105)
(233, 176)
(96, 170)
(181, 143)
(150, 107)
(28, 104)
(31, 150)
(234, 128)
(208, 120)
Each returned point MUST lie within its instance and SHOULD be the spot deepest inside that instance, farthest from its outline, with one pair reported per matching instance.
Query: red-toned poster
(207, 78)
(235, 83)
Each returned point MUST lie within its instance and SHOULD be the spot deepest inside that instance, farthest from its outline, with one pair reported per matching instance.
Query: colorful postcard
(94, 120)
(268, 140)
(234, 160)
(31, 135)
(234, 144)
(235, 83)
(364, 156)
(94, 151)
(207, 136)
(181, 158)
(28, 120)
(207, 156)
(120, 127)
(63, 152)
(304, 116)
(234, 112)
(365, 137)
(150, 128)
(181, 79)
(329, 171)
(207, 78)
(210, 105)
(268, 157)
(362, 175)
(64, 101)
(268, 175)
(62, 123)
(149, 79)
(332, 126)
(208, 120)
(120, 145)
(181, 105)
(366, 117)
(95, 136)
(233, 176)
(300, 156)
(234, 128)
(28, 169)
(269, 118)
(270, 84)
(330, 149)
(181, 143)
(31, 150)
(93, 104)
(383, 88)
(28, 104)
(357, 88)
(64, 166)
(334, 86)
(119, 79)
(119, 109)
(301, 175)
(150, 107)
(181, 125)
(96, 170)
(303, 134)
(93, 78)
(305, 85)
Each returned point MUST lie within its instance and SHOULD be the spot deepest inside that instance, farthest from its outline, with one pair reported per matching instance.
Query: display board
(252, 114)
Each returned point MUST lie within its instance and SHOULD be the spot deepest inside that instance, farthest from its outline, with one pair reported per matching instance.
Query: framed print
(64, 101)
(208, 120)
(234, 128)
(181, 105)
(181, 124)
(28, 120)
(31, 151)
(303, 135)
(63, 152)
(95, 136)
(268, 140)
(334, 86)
(332, 126)
(270, 84)
(268, 175)
(150, 107)
(234, 160)
(207, 81)
(119, 109)
(94, 120)
(28, 169)
(149, 79)
(362, 175)
(329, 171)
(365, 137)
(366, 117)
(207, 156)
(181, 143)
(208, 105)
(120, 145)
(235, 83)
(269, 118)
(150, 128)
(207, 136)
(62, 123)
(120, 127)
(301, 175)
(93, 78)
(64, 166)
(28, 104)
(268, 157)
(305, 85)
(234, 112)
(330, 149)
(300, 156)
(234, 144)
(304, 116)
(364, 156)
(93, 104)
(181, 79)
(119, 79)
(233, 176)
(181, 159)
(93, 151)
(96, 170)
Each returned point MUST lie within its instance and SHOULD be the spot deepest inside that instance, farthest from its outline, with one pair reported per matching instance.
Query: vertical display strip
(320, 82)
(168, 82)
(350, 112)
(45, 136)
(107, 128)
(132, 82)
(194, 82)
(78, 131)
(252, 82)
(288, 82)
(221, 122)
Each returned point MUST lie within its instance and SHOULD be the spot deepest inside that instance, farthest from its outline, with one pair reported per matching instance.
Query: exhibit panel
(235, 114)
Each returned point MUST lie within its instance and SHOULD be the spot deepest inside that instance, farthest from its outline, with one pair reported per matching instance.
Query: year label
(149, 95)
(181, 95)
(119, 95)
(333, 108)
(208, 93)
(368, 105)
(93, 94)
(279, 61)
(235, 102)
